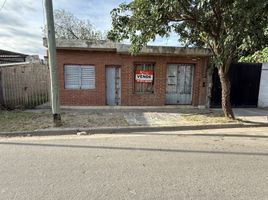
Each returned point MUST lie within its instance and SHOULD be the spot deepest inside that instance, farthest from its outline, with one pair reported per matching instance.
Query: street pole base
(57, 120)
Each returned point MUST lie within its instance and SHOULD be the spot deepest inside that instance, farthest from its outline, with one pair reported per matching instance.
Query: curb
(126, 130)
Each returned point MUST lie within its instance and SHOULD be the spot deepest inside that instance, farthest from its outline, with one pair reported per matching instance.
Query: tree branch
(71, 31)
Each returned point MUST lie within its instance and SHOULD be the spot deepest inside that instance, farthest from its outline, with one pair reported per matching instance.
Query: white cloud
(20, 29)
(21, 22)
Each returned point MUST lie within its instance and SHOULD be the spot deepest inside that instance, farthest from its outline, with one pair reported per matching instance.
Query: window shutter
(88, 77)
(72, 76)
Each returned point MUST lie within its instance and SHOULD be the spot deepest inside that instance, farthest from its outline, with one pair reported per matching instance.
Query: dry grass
(24, 121)
(207, 117)
(93, 119)
(31, 120)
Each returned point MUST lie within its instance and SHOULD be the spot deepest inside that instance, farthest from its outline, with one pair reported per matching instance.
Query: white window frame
(75, 81)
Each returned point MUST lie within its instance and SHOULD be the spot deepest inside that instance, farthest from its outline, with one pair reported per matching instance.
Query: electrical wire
(3, 5)
(44, 20)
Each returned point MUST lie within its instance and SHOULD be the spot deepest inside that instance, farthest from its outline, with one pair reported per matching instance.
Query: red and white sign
(144, 76)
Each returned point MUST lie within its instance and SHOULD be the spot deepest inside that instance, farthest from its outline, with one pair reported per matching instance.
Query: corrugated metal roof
(11, 57)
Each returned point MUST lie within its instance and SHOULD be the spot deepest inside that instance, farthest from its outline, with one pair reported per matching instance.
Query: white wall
(263, 92)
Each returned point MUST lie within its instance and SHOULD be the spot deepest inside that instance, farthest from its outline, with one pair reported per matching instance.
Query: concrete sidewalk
(170, 115)
(130, 119)
(135, 114)
(252, 115)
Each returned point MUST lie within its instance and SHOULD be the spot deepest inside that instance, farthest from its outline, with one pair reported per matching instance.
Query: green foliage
(259, 56)
(226, 27)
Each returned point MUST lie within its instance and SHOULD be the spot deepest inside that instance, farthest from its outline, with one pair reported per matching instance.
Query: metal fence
(23, 85)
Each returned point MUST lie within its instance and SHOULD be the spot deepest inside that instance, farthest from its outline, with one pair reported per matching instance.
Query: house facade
(102, 73)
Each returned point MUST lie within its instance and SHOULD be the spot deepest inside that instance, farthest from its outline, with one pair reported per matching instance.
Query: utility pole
(54, 85)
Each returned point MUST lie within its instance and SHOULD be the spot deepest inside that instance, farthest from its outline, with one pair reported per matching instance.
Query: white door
(113, 86)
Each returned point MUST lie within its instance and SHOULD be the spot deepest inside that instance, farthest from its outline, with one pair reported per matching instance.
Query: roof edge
(104, 45)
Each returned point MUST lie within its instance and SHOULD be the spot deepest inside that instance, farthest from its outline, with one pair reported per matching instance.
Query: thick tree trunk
(225, 93)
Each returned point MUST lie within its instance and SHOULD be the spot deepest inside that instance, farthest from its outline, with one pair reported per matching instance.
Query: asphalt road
(134, 167)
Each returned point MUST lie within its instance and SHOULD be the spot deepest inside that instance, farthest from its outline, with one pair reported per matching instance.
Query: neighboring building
(263, 94)
(7, 57)
(104, 73)
(34, 59)
(11, 57)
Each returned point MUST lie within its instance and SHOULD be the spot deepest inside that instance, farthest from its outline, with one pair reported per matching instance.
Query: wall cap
(105, 45)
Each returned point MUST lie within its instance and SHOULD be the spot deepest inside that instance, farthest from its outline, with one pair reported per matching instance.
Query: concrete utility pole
(54, 85)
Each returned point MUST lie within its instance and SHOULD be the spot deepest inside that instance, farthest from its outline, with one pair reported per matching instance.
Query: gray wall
(23, 85)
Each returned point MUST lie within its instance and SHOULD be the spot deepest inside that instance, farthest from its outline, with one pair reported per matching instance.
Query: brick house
(104, 73)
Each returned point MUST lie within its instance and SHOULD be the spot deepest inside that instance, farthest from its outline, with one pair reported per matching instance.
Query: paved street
(142, 166)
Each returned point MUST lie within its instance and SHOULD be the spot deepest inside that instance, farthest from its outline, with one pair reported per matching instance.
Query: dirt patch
(93, 119)
(23, 121)
(207, 117)
(28, 121)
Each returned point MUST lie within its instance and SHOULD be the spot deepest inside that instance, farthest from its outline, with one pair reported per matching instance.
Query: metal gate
(113, 85)
(179, 84)
(245, 83)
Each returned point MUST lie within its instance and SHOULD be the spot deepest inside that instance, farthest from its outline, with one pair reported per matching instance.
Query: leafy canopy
(258, 56)
(227, 27)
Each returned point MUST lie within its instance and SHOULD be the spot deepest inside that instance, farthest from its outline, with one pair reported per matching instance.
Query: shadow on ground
(136, 149)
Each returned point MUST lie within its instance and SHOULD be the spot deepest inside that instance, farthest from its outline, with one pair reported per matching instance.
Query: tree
(226, 27)
(258, 56)
(68, 26)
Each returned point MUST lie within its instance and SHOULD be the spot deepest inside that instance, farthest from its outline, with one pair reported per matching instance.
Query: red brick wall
(128, 97)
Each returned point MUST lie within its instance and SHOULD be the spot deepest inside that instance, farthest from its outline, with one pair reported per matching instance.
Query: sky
(21, 22)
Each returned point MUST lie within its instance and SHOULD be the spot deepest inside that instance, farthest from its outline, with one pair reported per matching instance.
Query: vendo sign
(144, 76)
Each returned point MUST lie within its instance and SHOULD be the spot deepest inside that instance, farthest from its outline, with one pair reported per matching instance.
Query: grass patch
(93, 119)
(23, 121)
(19, 120)
(29, 120)
(208, 117)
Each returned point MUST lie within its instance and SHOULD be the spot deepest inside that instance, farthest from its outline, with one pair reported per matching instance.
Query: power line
(3, 5)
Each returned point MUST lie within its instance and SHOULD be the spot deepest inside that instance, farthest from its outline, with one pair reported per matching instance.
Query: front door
(179, 84)
(113, 85)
